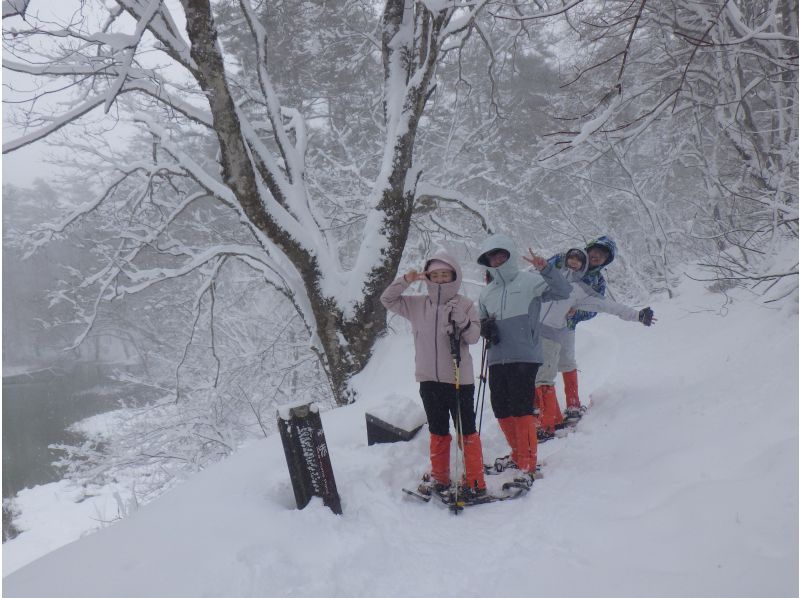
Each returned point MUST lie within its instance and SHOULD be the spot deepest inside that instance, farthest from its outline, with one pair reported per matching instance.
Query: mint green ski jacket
(514, 299)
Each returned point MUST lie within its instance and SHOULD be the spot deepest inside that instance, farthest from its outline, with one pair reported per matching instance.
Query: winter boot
(571, 389)
(543, 435)
(527, 445)
(430, 486)
(473, 462)
(440, 458)
(473, 494)
(510, 432)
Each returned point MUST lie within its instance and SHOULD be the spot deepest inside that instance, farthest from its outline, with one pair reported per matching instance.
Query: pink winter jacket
(429, 315)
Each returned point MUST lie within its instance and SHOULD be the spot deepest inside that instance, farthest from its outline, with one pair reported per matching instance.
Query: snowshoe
(523, 480)
(492, 469)
(470, 495)
(417, 495)
(503, 463)
(544, 435)
(456, 502)
(429, 486)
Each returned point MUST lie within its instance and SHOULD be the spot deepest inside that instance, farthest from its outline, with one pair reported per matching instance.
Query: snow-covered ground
(681, 482)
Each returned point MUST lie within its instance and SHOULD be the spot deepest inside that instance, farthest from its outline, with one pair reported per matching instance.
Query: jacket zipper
(502, 301)
(436, 333)
(503, 294)
(543, 316)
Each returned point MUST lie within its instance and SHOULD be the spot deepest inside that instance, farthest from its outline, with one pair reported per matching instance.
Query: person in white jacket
(553, 319)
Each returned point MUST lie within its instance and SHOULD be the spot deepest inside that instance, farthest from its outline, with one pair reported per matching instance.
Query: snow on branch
(203, 178)
(293, 156)
(12, 8)
(541, 14)
(55, 124)
(147, 82)
(306, 235)
(429, 194)
(162, 26)
(130, 52)
(47, 231)
(761, 33)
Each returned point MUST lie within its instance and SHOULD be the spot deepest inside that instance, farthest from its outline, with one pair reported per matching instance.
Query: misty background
(139, 279)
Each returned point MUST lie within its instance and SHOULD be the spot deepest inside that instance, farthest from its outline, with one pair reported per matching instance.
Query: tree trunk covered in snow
(345, 341)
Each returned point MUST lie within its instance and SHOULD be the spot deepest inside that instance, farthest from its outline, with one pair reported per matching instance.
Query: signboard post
(307, 456)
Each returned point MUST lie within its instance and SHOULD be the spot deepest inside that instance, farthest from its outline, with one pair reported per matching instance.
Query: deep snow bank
(682, 481)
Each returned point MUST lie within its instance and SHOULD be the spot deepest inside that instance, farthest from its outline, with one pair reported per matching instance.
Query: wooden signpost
(307, 456)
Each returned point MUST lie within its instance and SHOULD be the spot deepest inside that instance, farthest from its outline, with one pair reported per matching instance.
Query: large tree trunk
(346, 342)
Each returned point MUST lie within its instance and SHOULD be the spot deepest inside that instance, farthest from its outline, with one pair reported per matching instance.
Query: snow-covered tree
(134, 60)
(720, 80)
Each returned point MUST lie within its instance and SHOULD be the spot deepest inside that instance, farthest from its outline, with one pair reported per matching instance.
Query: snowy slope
(681, 481)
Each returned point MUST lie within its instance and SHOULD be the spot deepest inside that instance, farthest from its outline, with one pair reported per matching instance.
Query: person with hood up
(509, 309)
(435, 317)
(601, 252)
(573, 264)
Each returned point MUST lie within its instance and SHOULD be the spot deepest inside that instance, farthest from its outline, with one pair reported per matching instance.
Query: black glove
(489, 331)
(646, 316)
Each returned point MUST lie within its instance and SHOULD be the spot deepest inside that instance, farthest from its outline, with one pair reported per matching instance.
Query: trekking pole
(455, 351)
(480, 376)
(480, 399)
(463, 457)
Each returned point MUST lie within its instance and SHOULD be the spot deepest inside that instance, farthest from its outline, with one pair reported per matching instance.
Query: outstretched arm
(597, 303)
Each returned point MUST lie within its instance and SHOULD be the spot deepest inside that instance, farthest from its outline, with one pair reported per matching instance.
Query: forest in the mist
(236, 182)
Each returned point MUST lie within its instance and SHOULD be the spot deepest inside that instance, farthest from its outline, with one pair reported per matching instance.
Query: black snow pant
(512, 387)
(441, 401)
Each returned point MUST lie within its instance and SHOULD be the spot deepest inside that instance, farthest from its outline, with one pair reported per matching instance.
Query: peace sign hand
(536, 261)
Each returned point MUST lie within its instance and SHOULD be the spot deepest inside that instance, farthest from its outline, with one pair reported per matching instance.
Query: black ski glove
(489, 331)
(646, 316)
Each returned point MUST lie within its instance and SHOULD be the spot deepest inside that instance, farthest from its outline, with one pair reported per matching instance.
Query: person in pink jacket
(434, 317)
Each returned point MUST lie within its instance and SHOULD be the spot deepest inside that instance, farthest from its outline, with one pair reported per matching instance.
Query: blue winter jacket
(513, 298)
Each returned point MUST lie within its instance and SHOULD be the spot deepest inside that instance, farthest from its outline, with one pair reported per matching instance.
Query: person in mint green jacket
(509, 309)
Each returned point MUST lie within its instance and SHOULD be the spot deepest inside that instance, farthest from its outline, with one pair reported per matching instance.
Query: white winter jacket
(554, 314)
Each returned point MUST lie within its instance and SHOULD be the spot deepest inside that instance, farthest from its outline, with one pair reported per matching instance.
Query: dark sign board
(307, 456)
